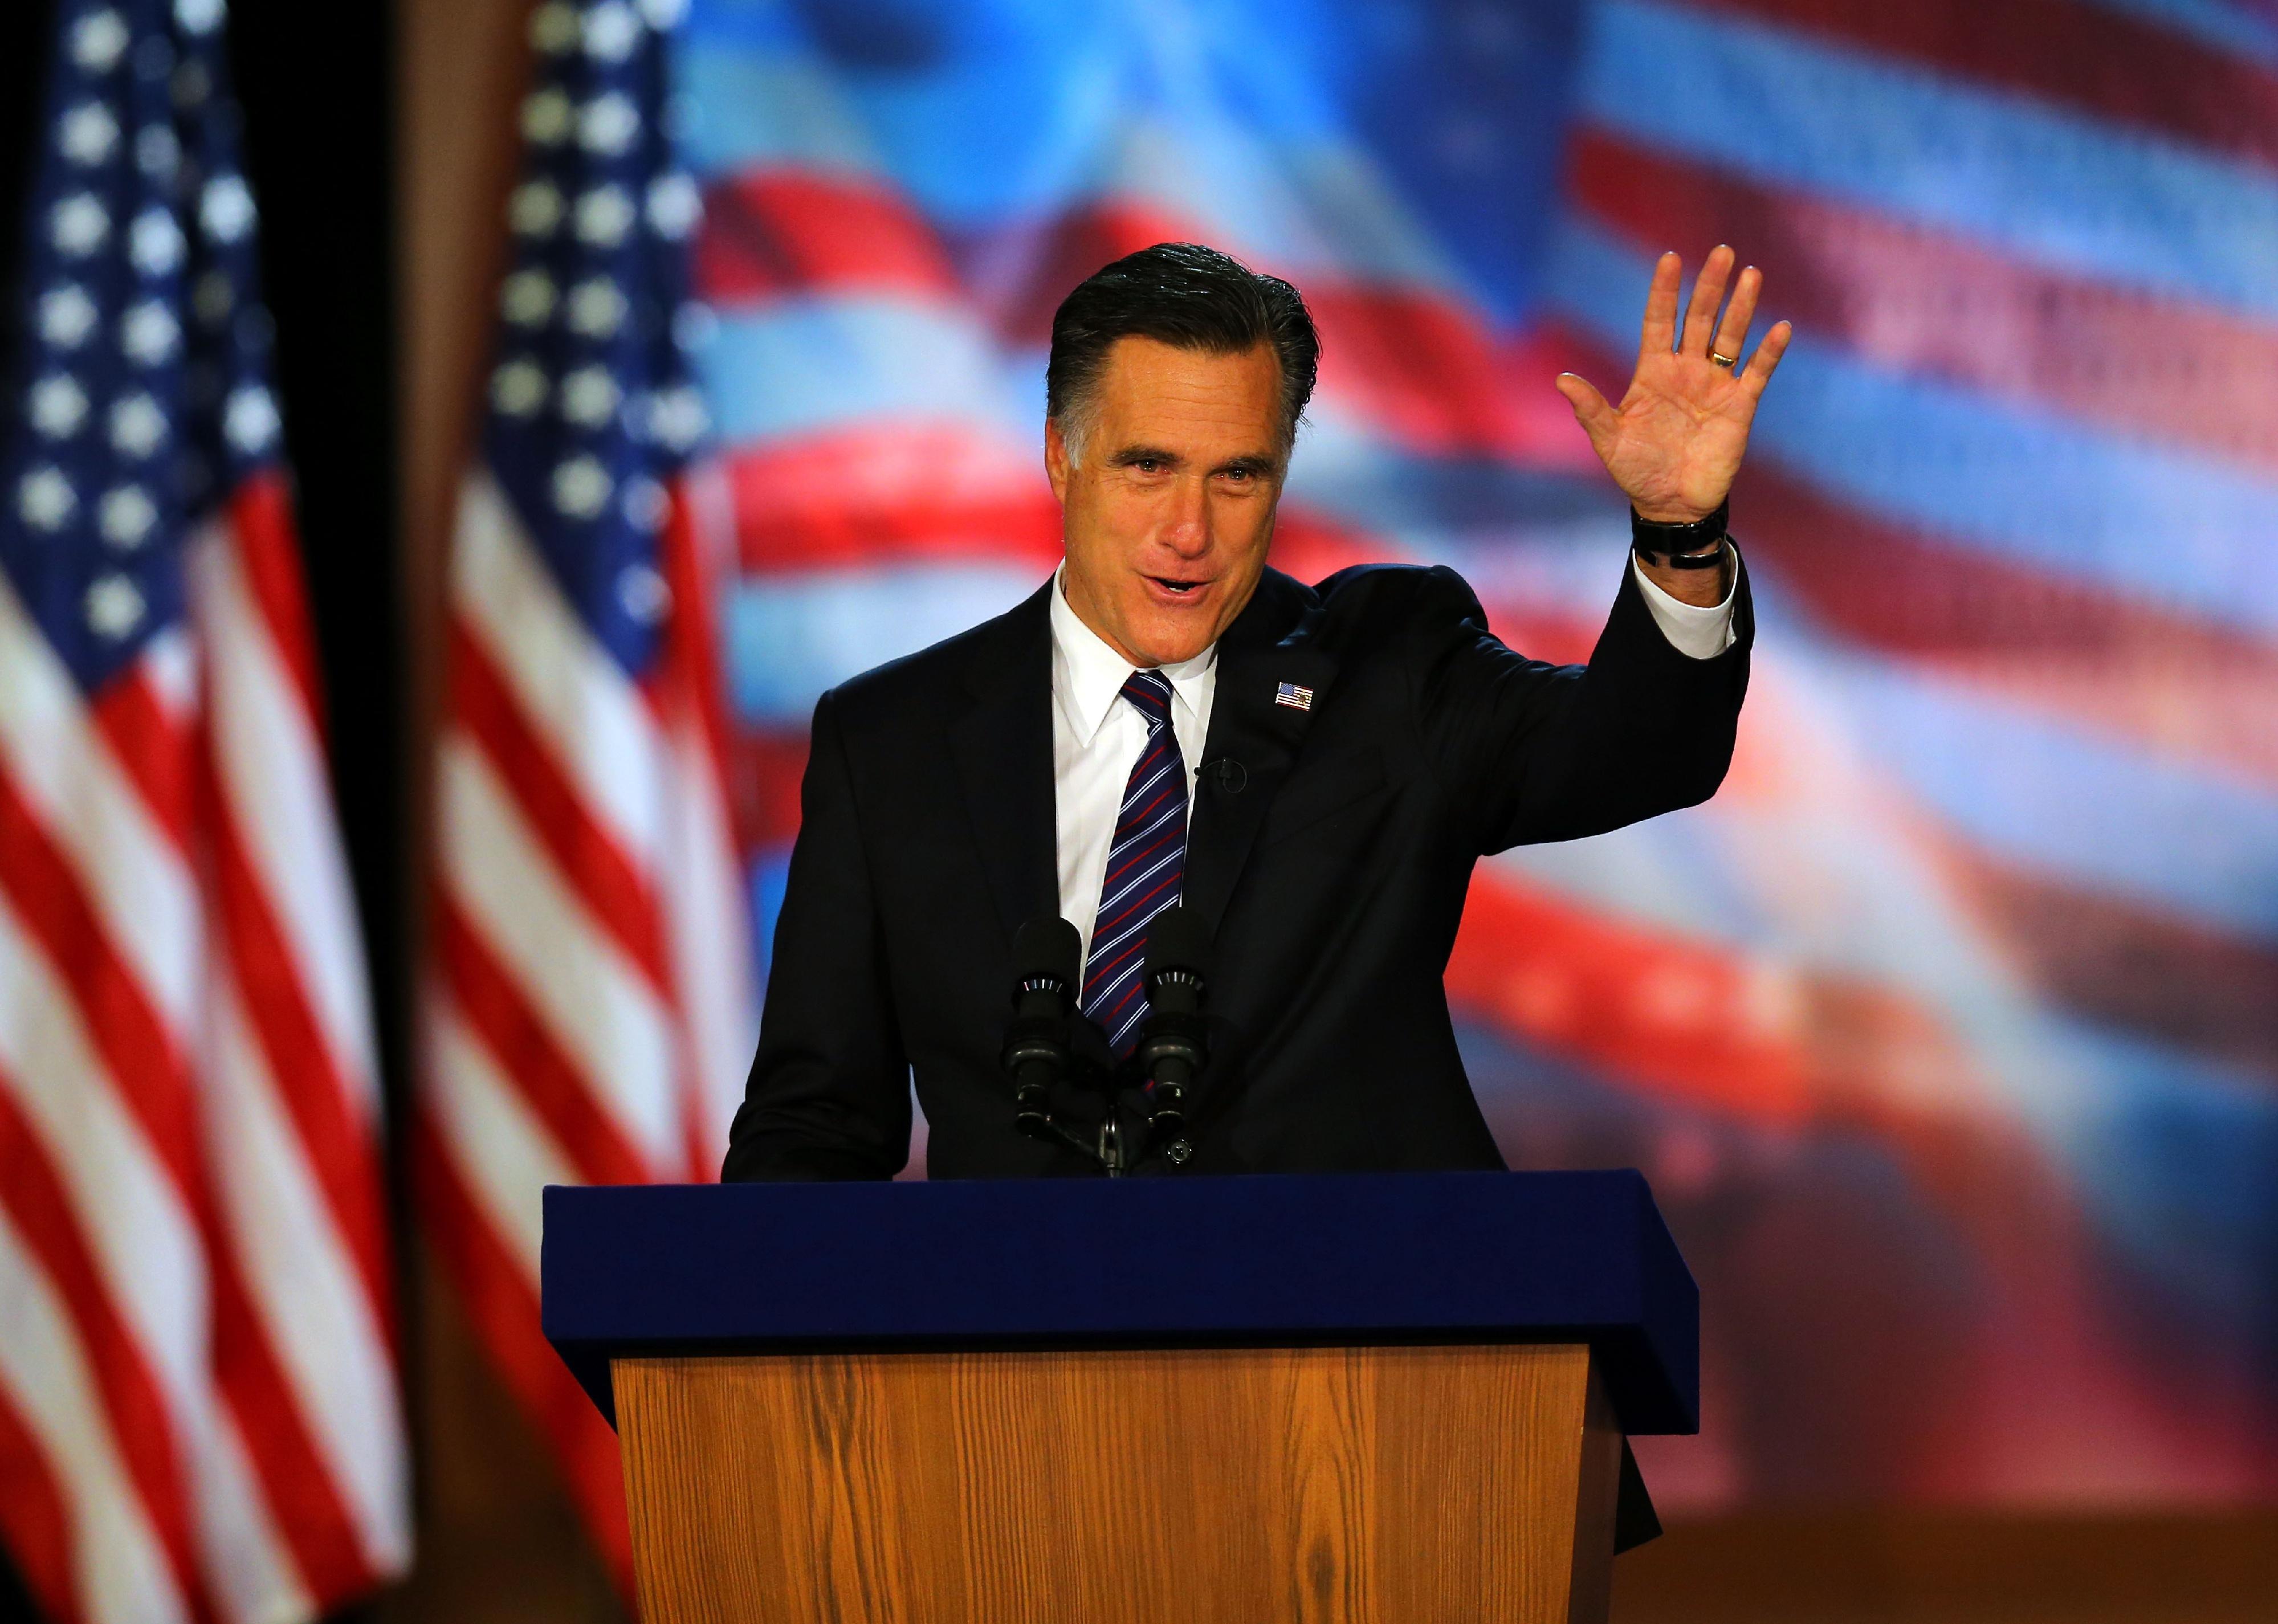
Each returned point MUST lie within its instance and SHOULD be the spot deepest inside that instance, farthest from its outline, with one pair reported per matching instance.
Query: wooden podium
(1386, 1398)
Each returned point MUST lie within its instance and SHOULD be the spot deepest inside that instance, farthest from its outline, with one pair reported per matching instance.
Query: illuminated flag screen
(1948, 1031)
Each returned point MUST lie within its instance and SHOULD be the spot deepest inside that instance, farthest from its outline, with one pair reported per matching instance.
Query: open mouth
(1177, 589)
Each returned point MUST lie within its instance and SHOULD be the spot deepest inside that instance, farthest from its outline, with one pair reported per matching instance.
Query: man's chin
(1171, 627)
(1173, 639)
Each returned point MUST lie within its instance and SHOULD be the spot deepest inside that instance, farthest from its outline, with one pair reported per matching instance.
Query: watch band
(1697, 546)
(1689, 560)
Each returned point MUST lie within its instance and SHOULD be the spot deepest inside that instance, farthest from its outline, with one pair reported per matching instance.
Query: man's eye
(1148, 465)
(1240, 475)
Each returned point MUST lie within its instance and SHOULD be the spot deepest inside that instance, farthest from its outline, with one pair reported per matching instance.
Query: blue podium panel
(1345, 1258)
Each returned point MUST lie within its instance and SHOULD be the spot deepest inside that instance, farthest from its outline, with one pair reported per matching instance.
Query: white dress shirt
(1097, 734)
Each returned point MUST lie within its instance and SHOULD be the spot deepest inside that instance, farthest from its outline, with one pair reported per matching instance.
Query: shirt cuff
(1692, 630)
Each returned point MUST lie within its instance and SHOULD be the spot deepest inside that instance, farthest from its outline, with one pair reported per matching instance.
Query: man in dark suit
(1312, 770)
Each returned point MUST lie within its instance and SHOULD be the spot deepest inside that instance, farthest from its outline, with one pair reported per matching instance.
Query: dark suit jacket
(1331, 867)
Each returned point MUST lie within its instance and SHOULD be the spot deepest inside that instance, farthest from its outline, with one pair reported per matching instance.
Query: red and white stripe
(591, 1011)
(199, 1412)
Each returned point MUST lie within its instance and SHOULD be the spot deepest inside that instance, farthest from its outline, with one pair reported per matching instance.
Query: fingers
(1660, 334)
(1707, 293)
(1703, 330)
(1767, 356)
(1590, 409)
(1732, 332)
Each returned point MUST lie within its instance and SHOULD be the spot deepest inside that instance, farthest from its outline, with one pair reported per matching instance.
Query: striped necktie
(1145, 866)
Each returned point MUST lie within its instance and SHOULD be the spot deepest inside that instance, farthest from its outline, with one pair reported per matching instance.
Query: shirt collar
(1087, 674)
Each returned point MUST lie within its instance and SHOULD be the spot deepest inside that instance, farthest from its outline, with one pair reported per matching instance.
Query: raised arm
(1528, 751)
(1531, 751)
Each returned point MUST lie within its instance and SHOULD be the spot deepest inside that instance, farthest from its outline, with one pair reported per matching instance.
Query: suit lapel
(1003, 745)
(1253, 739)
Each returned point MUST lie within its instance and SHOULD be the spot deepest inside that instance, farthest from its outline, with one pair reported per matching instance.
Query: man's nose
(1188, 531)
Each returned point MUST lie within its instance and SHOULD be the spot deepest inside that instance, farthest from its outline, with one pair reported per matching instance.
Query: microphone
(1045, 953)
(1173, 1045)
(1227, 774)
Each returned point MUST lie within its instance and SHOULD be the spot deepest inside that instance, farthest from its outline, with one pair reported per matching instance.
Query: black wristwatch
(1697, 546)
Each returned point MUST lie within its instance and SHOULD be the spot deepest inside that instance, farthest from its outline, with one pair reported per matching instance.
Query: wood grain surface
(1221, 1486)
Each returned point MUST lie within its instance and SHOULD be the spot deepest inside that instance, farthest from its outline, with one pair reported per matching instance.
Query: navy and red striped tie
(1145, 866)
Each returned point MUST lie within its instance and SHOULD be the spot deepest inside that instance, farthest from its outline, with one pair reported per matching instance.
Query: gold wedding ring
(1715, 360)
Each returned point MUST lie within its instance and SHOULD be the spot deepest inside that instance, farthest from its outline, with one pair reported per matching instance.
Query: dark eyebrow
(1260, 465)
(1129, 454)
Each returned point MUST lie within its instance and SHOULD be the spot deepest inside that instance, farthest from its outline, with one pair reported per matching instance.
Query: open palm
(1676, 441)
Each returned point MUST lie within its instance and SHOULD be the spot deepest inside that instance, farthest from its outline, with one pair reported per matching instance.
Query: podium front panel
(1395, 1485)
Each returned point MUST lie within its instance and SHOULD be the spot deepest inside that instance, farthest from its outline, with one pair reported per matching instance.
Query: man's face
(1167, 517)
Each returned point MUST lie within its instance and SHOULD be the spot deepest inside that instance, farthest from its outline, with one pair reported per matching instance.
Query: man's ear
(1056, 461)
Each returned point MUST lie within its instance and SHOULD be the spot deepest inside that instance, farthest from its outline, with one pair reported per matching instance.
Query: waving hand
(1674, 442)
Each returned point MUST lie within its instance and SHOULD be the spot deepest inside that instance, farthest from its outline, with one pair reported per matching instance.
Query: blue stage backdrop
(1948, 1033)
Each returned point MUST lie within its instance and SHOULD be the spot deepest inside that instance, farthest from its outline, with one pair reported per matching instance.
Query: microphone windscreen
(1178, 939)
(1047, 946)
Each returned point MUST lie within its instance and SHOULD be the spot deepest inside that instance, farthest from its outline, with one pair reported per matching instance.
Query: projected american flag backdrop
(1947, 1031)
(593, 1008)
(198, 1414)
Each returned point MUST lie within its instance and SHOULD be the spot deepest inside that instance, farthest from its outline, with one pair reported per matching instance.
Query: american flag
(593, 1008)
(198, 1402)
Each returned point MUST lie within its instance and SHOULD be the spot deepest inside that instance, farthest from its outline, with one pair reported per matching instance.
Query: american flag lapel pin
(1295, 697)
